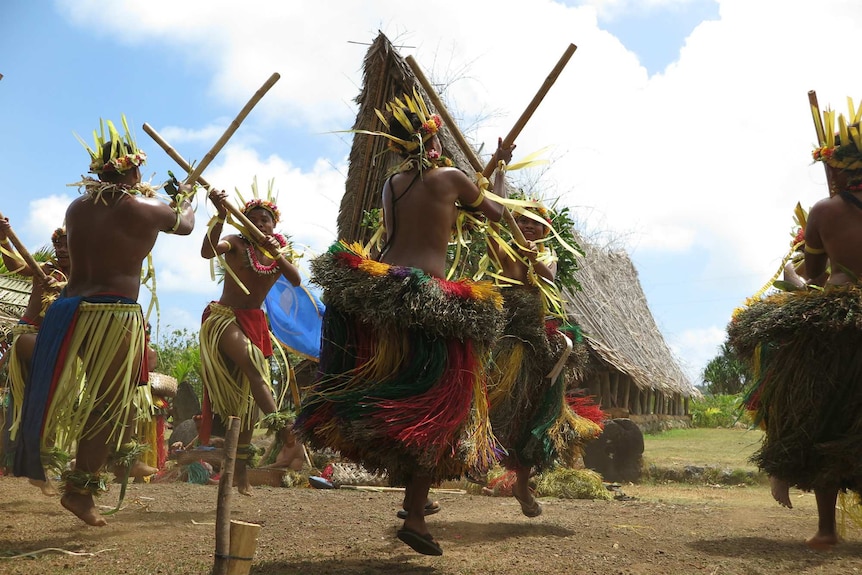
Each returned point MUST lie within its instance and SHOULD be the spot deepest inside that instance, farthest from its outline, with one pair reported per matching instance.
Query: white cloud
(46, 215)
(697, 347)
(713, 153)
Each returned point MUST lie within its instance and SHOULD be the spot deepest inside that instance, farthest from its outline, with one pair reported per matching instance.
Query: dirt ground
(168, 528)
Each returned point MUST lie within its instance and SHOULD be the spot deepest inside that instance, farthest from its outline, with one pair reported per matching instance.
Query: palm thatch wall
(632, 369)
(14, 295)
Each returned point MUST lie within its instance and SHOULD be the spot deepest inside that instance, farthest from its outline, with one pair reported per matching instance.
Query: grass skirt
(228, 389)
(805, 350)
(79, 340)
(18, 371)
(529, 412)
(401, 383)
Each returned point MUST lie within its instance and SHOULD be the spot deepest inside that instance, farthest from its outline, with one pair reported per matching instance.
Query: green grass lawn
(729, 448)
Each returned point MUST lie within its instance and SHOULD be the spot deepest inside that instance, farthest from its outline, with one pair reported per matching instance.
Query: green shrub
(718, 411)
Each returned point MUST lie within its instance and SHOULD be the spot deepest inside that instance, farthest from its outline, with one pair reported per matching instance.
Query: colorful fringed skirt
(529, 412)
(401, 386)
(805, 350)
(226, 387)
(88, 362)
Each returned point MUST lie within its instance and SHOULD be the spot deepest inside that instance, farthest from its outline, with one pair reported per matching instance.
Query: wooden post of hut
(627, 386)
(607, 398)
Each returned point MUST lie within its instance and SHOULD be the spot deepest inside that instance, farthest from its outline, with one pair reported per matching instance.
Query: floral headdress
(57, 234)
(122, 158)
(412, 148)
(842, 150)
(267, 203)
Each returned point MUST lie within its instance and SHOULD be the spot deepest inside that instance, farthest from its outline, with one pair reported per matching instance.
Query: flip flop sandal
(423, 544)
(431, 508)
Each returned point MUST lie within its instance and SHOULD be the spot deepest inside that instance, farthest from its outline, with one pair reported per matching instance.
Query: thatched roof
(620, 329)
(612, 310)
(386, 77)
(14, 295)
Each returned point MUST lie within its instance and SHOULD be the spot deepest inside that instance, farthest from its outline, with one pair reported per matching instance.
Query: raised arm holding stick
(255, 233)
(34, 266)
(505, 143)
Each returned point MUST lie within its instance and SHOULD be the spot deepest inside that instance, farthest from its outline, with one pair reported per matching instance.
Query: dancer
(97, 327)
(235, 338)
(24, 332)
(527, 389)
(404, 352)
(805, 346)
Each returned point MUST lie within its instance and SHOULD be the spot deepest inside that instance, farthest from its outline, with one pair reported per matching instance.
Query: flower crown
(257, 202)
(119, 160)
(57, 234)
(842, 150)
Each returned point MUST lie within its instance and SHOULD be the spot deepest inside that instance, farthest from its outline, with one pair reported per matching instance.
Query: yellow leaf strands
(117, 161)
(842, 150)
(114, 324)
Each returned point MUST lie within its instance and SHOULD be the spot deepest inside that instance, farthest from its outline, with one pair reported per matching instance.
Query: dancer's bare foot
(84, 508)
(240, 479)
(822, 541)
(46, 486)
(780, 491)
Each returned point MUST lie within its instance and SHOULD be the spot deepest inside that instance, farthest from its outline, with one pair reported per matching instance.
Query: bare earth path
(169, 529)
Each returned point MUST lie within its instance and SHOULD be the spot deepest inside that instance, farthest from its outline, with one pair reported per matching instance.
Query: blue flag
(295, 317)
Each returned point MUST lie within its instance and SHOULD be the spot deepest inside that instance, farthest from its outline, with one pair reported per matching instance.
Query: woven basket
(163, 385)
(346, 473)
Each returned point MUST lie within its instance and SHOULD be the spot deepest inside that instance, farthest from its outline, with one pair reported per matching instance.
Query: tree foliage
(725, 373)
(180, 357)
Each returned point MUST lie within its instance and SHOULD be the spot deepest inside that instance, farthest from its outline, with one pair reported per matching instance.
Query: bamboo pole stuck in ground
(243, 544)
(38, 272)
(255, 233)
(225, 490)
(232, 127)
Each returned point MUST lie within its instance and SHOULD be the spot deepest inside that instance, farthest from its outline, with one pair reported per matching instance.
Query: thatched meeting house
(632, 371)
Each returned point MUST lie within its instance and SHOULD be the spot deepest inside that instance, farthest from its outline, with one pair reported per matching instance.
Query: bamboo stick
(444, 113)
(255, 233)
(243, 543)
(232, 127)
(225, 490)
(812, 102)
(534, 103)
(462, 142)
(38, 272)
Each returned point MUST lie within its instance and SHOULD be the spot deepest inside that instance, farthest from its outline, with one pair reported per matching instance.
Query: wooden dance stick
(812, 102)
(255, 233)
(537, 99)
(444, 113)
(232, 127)
(25, 255)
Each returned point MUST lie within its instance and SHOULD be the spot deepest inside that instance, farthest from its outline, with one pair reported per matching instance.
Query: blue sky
(678, 132)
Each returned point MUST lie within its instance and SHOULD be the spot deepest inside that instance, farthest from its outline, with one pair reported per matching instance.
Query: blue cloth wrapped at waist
(48, 357)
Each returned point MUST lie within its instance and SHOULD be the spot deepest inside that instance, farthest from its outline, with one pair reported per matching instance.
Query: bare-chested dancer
(809, 347)
(97, 321)
(235, 340)
(403, 350)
